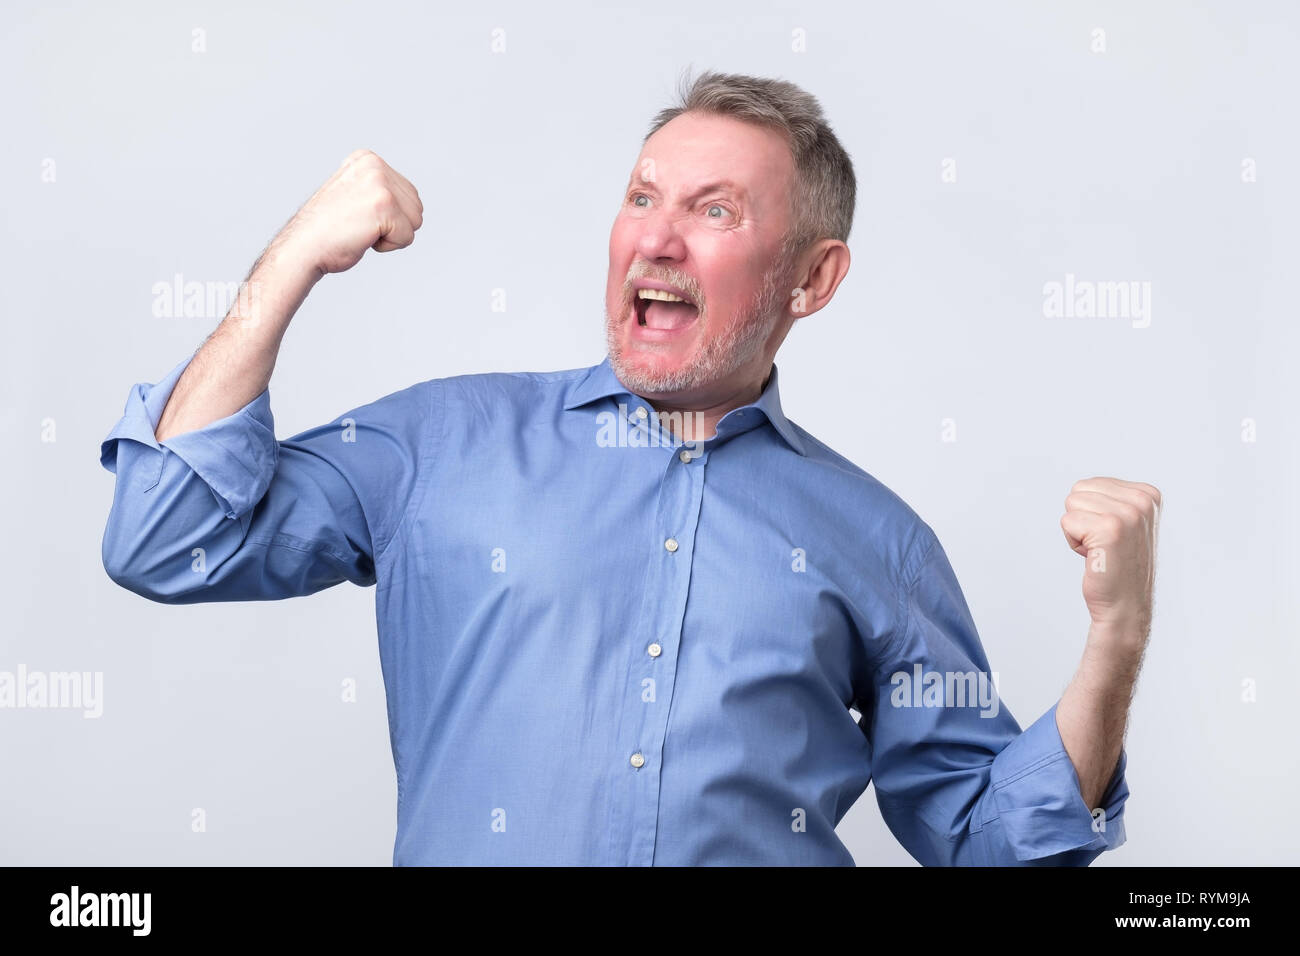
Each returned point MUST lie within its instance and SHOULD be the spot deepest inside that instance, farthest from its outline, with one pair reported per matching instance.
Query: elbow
(158, 544)
(123, 575)
(127, 569)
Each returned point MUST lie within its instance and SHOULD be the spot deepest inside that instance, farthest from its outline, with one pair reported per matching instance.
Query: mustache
(681, 281)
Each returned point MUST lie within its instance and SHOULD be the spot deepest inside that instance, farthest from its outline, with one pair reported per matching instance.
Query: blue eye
(637, 197)
(713, 207)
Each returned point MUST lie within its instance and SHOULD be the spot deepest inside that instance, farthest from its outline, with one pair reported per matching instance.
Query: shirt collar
(601, 382)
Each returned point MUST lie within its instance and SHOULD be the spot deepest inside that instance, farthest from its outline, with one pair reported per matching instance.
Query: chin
(646, 372)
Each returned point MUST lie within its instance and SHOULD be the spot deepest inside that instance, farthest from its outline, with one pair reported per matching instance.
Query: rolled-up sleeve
(228, 513)
(957, 781)
(1037, 808)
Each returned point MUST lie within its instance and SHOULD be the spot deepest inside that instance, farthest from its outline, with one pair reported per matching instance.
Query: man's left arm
(957, 781)
(1114, 525)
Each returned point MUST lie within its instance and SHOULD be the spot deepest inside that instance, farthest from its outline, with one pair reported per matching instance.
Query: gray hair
(825, 187)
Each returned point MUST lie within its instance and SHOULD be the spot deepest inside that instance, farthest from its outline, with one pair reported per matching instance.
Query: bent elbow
(126, 567)
(125, 576)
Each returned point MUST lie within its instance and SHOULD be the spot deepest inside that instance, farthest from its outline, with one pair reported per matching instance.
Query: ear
(823, 267)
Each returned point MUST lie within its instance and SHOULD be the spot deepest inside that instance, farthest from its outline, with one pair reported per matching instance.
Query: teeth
(656, 294)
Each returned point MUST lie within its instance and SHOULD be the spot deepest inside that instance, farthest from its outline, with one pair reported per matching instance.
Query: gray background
(1117, 166)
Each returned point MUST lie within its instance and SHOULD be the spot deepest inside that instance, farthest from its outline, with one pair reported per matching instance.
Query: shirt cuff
(235, 456)
(1038, 804)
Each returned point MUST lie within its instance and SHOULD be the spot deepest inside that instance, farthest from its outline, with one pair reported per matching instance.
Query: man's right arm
(365, 204)
(208, 505)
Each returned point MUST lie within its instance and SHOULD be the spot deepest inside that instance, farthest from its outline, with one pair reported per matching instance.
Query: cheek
(726, 271)
(620, 260)
(622, 237)
(725, 294)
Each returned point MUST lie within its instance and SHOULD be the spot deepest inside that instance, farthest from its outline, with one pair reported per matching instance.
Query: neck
(697, 421)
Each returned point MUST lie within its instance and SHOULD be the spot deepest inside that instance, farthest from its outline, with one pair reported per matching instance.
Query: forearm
(235, 363)
(1093, 712)
(364, 205)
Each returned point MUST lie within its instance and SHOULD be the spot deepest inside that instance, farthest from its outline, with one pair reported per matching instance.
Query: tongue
(668, 316)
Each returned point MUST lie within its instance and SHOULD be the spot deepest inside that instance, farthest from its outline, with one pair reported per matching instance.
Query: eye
(721, 209)
(638, 196)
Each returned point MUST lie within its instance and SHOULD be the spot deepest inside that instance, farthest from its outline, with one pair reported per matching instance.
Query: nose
(658, 239)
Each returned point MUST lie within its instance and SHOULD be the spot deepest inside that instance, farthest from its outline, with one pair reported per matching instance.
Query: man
(625, 611)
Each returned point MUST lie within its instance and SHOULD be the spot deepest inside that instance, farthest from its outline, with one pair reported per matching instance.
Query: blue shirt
(602, 647)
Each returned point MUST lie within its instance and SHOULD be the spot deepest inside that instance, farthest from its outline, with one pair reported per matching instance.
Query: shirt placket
(655, 642)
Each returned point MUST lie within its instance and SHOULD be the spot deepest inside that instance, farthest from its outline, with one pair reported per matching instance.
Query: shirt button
(671, 544)
(654, 650)
(638, 760)
(684, 455)
(640, 411)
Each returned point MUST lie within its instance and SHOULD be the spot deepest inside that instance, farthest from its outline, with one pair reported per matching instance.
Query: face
(703, 218)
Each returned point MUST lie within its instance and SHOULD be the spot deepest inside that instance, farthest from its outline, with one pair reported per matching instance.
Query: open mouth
(663, 310)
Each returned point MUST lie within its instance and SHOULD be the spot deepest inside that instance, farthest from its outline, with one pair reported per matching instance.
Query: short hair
(825, 188)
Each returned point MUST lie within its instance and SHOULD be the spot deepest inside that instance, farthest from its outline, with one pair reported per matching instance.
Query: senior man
(626, 613)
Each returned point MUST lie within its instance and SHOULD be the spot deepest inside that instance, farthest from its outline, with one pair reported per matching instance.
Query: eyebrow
(721, 185)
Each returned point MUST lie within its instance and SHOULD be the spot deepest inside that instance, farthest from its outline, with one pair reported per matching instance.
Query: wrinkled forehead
(695, 153)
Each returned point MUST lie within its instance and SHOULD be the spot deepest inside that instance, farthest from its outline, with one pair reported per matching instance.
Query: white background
(1114, 166)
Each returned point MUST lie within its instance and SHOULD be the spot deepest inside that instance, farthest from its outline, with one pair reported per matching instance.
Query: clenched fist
(1114, 525)
(364, 205)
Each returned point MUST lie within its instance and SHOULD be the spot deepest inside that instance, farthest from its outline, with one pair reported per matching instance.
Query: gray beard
(719, 357)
